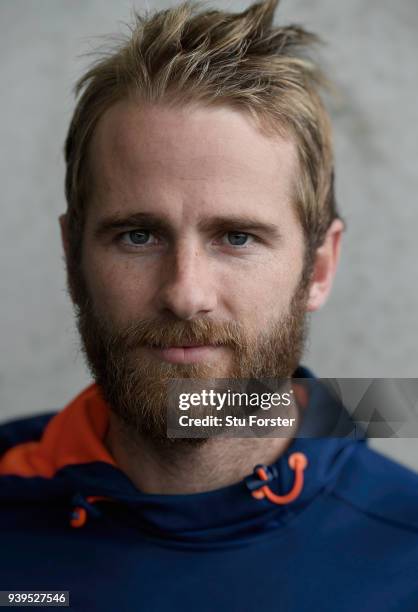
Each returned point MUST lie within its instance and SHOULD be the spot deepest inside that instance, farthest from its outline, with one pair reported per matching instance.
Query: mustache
(163, 334)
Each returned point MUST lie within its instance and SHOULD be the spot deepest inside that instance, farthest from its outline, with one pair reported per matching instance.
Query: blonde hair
(184, 54)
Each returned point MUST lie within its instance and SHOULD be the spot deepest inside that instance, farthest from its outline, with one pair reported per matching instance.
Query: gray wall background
(368, 327)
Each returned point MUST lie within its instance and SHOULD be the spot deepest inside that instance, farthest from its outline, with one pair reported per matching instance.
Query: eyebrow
(114, 222)
(218, 223)
(240, 222)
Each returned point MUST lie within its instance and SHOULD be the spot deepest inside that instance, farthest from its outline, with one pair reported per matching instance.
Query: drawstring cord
(84, 507)
(297, 462)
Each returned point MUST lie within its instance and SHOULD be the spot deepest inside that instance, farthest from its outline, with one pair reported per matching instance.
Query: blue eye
(138, 240)
(237, 238)
(139, 236)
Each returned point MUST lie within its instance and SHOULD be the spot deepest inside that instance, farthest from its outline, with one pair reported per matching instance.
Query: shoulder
(31, 428)
(380, 487)
(27, 429)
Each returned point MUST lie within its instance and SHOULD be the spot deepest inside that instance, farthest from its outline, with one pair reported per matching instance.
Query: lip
(187, 353)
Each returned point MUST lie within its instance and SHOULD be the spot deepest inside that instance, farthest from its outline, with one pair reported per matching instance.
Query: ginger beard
(134, 385)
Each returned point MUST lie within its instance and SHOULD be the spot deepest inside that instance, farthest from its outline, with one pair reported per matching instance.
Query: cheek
(262, 292)
(119, 292)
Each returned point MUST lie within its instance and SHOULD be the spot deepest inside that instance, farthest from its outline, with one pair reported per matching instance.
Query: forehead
(200, 157)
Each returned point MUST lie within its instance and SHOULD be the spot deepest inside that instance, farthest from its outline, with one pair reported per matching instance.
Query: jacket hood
(60, 459)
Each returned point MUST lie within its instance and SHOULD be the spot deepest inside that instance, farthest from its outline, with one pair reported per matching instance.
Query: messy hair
(187, 54)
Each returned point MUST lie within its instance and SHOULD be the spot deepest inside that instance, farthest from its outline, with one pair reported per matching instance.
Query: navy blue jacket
(71, 520)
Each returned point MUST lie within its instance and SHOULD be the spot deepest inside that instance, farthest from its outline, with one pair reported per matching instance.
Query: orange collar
(75, 435)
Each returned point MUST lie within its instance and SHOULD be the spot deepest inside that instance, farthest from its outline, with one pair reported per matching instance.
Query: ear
(63, 221)
(325, 266)
(72, 283)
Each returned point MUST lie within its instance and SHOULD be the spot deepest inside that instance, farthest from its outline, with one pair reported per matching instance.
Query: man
(201, 229)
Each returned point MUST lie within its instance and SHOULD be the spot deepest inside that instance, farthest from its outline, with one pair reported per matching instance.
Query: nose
(187, 290)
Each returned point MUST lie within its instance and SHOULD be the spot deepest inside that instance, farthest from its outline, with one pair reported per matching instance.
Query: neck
(181, 468)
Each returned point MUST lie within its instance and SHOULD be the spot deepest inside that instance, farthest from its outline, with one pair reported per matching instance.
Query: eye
(136, 237)
(238, 238)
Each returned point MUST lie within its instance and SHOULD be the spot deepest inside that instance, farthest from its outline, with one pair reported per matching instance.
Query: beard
(134, 385)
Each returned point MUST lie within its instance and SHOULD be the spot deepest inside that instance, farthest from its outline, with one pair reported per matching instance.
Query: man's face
(190, 239)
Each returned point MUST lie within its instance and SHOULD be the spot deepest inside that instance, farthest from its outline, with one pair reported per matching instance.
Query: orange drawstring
(78, 517)
(79, 514)
(297, 462)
